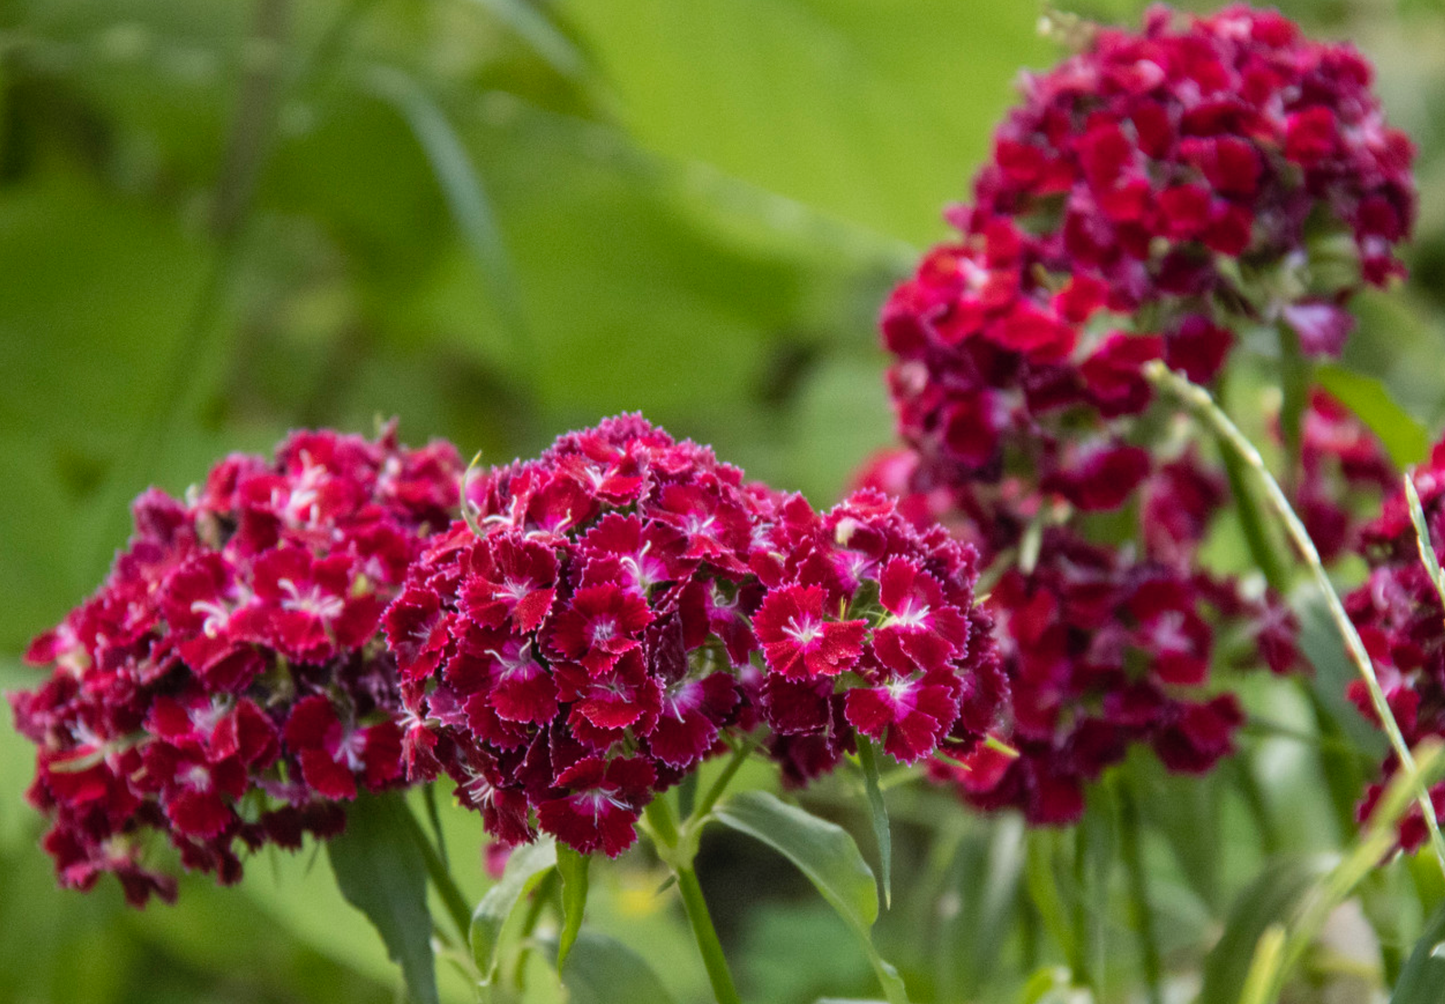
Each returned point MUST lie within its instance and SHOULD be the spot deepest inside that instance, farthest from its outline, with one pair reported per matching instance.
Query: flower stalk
(677, 846)
(1199, 400)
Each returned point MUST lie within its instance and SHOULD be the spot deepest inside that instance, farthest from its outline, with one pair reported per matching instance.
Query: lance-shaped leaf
(380, 871)
(1424, 973)
(524, 870)
(827, 855)
(879, 813)
(1405, 440)
(1273, 898)
(602, 970)
(572, 866)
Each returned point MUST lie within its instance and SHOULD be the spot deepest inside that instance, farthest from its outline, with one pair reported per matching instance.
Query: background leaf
(1271, 899)
(380, 871)
(1424, 972)
(1405, 440)
(602, 970)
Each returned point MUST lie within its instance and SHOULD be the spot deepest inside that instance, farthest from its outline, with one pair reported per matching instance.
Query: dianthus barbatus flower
(1103, 652)
(226, 683)
(1400, 619)
(624, 606)
(1149, 195)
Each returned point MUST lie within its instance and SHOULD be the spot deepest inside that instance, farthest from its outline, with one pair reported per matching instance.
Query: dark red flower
(200, 678)
(799, 641)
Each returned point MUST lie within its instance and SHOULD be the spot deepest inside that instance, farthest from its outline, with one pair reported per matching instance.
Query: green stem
(1261, 544)
(1083, 934)
(706, 936)
(442, 881)
(677, 853)
(720, 784)
(1199, 400)
(1130, 848)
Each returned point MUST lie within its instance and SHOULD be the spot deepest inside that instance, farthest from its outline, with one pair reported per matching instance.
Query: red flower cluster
(1103, 652)
(619, 606)
(1340, 461)
(225, 683)
(1400, 619)
(1147, 196)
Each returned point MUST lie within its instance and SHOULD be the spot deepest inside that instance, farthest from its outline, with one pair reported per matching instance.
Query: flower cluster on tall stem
(225, 687)
(614, 612)
(1399, 614)
(1151, 198)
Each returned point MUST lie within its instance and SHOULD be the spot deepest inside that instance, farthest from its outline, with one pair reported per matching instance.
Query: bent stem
(1198, 399)
(677, 849)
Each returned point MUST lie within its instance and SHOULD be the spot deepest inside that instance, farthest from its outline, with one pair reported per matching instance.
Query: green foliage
(524, 870)
(602, 970)
(573, 868)
(878, 813)
(1424, 973)
(380, 871)
(827, 855)
(499, 219)
(1266, 904)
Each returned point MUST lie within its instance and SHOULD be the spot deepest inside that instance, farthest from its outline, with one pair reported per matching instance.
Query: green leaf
(1424, 973)
(823, 851)
(544, 37)
(602, 970)
(1186, 811)
(878, 811)
(466, 196)
(525, 869)
(1044, 882)
(1051, 984)
(380, 871)
(572, 866)
(1264, 967)
(1405, 440)
(827, 855)
(1274, 897)
(802, 98)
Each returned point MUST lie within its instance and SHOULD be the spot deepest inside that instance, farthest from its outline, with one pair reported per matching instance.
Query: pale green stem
(1422, 538)
(663, 828)
(1198, 399)
(716, 789)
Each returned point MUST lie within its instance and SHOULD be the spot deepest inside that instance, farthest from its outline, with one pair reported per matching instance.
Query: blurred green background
(496, 220)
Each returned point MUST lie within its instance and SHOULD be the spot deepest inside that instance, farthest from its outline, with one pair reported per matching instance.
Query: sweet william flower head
(1398, 614)
(224, 686)
(1103, 651)
(625, 606)
(1148, 195)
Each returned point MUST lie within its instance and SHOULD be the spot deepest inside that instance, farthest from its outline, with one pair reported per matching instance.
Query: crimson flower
(223, 686)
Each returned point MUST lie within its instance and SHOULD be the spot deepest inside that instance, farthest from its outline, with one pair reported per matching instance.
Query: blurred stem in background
(1199, 401)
